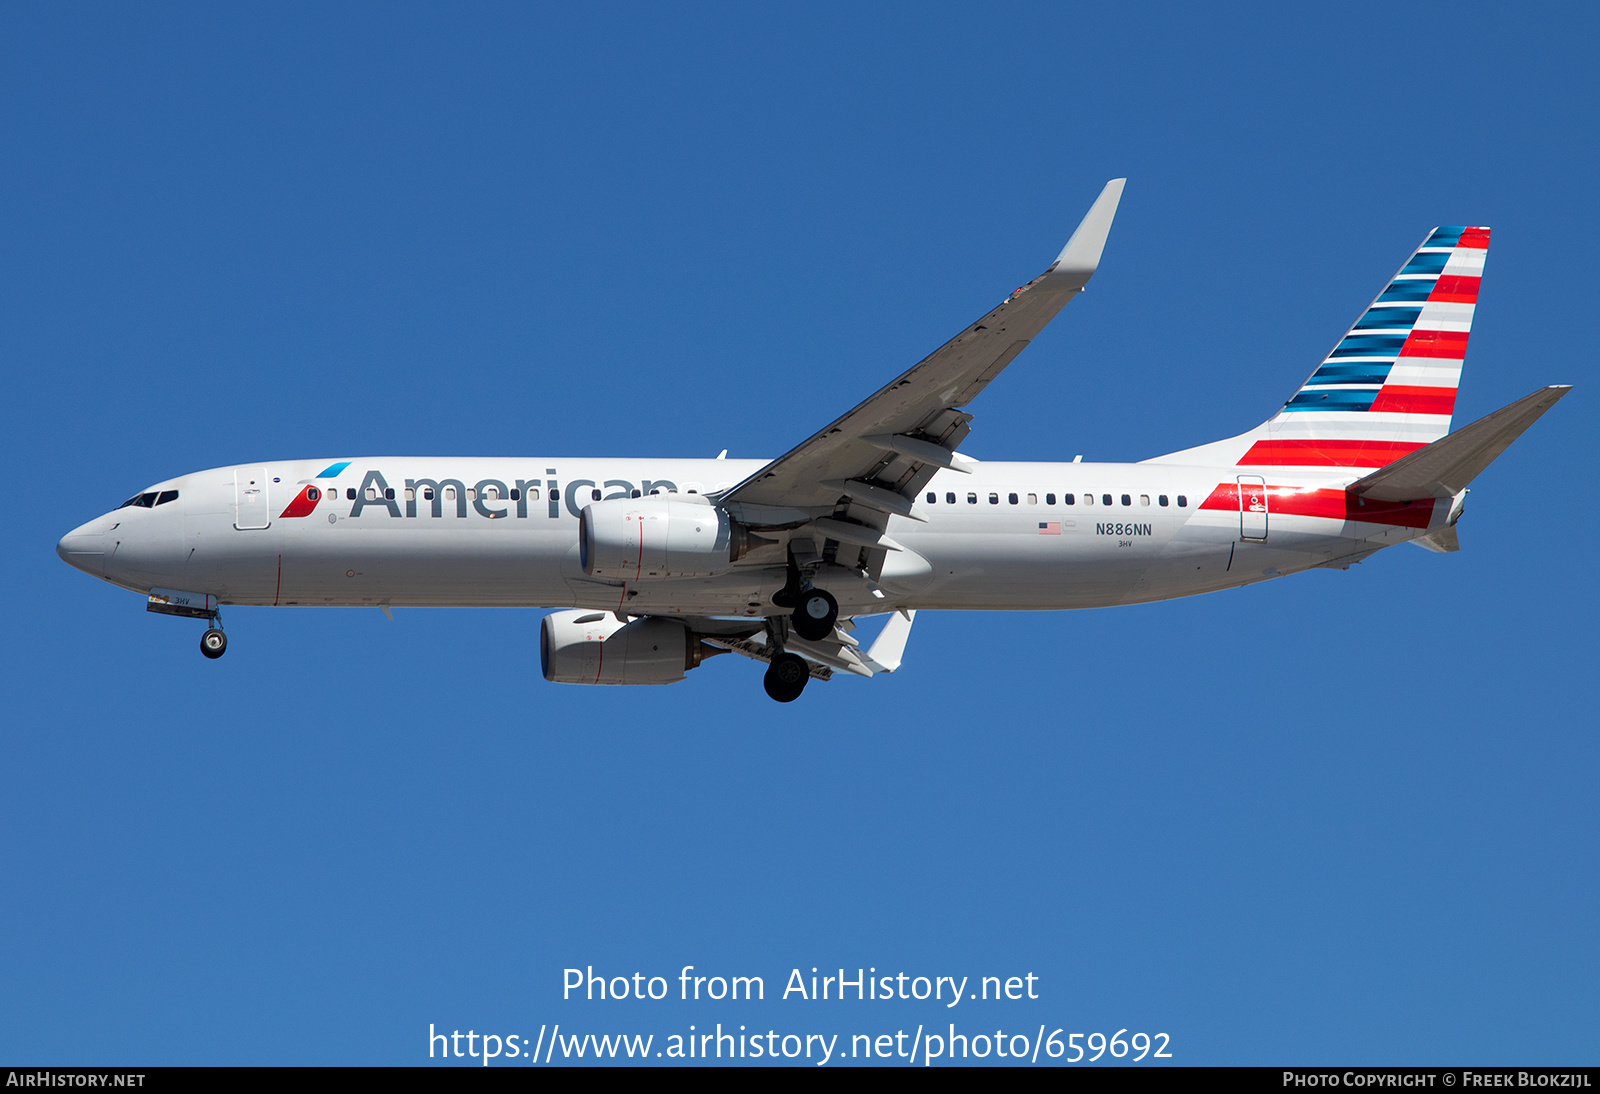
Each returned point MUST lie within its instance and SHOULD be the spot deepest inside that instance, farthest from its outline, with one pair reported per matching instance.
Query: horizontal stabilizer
(1444, 468)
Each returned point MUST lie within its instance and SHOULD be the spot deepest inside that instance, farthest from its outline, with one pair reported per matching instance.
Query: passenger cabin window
(350, 493)
(389, 493)
(472, 493)
(1127, 499)
(1105, 499)
(172, 495)
(411, 493)
(972, 499)
(1033, 499)
(594, 495)
(1144, 499)
(533, 494)
(636, 493)
(1088, 499)
(427, 493)
(1182, 501)
(312, 494)
(994, 499)
(372, 493)
(449, 493)
(1069, 499)
(1049, 499)
(932, 498)
(1012, 498)
(516, 495)
(1161, 499)
(950, 499)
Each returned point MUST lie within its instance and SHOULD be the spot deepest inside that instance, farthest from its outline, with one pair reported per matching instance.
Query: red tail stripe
(1455, 290)
(1326, 452)
(1296, 501)
(1398, 399)
(1475, 237)
(1435, 343)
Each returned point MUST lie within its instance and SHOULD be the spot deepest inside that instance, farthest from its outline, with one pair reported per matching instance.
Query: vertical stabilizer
(1389, 386)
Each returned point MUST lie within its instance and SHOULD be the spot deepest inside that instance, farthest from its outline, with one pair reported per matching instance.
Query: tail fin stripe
(1365, 372)
(1380, 317)
(1415, 288)
(1332, 400)
(1455, 290)
(1415, 400)
(1427, 262)
(1435, 343)
(1369, 345)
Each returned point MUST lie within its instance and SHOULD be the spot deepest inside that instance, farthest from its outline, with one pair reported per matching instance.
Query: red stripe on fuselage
(1296, 501)
(1326, 452)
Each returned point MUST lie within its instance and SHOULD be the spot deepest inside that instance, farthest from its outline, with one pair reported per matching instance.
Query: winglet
(1081, 255)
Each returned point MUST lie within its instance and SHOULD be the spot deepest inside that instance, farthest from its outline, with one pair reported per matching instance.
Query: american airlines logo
(490, 498)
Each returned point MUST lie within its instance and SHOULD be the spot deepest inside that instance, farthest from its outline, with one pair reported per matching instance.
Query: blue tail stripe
(1407, 290)
(1332, 400)
(1368, 372)
(1430, 262)
(1389, 317)
(1369, 345)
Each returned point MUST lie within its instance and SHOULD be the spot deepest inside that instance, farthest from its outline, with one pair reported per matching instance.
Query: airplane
(657, 564)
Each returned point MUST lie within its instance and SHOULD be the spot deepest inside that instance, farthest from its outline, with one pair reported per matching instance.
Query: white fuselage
(1017, 546)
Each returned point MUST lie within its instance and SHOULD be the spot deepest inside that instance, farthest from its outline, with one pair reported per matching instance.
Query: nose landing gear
(213, 643)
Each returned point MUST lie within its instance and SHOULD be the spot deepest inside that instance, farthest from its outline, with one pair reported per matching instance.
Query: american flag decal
(1049, 527)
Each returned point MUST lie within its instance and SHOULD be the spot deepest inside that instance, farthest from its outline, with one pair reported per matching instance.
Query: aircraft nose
(84, 548)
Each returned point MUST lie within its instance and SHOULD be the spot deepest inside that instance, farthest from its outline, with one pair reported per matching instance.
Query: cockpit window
(143, 501)
(166, 496)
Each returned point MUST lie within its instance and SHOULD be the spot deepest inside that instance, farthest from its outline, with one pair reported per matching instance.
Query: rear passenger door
(1252, 508)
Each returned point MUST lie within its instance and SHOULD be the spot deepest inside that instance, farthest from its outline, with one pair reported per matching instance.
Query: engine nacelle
(589, 647)
(636, 539)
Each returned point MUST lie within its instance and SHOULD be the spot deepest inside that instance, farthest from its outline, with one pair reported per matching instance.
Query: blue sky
(1339, 818)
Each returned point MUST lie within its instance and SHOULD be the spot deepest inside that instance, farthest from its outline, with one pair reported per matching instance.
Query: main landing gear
(786, 677)
(213, 643)
(815, 610)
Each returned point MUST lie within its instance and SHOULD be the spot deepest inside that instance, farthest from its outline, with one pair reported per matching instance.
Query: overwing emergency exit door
(1252, 507)
(250, 510)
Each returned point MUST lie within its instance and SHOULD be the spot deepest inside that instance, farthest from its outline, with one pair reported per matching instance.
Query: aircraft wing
(875, 458)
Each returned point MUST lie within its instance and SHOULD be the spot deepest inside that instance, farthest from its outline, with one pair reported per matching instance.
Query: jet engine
(588, 647)
(635, 539)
